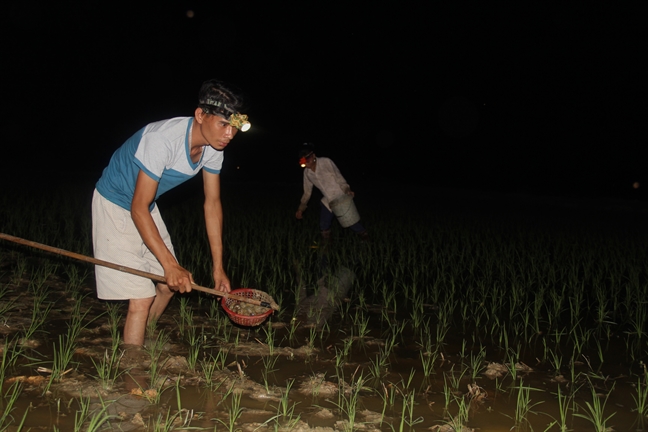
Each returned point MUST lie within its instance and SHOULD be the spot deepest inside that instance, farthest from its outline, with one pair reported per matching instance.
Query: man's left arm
(214, 225)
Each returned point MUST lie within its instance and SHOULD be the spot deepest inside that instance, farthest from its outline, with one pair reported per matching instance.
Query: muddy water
(327, 389)
(187, 401)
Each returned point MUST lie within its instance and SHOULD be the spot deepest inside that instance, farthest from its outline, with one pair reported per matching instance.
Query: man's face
(310, 161)
(216, 130)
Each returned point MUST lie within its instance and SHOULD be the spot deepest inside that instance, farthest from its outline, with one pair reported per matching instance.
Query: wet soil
(287, 379)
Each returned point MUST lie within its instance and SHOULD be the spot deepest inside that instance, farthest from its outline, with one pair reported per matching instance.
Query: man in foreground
(126, 225)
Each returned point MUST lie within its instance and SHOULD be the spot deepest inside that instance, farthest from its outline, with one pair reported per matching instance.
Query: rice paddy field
(468, 311)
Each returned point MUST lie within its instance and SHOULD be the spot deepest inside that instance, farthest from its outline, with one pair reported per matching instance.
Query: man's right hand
(178, 278)
(298, 215)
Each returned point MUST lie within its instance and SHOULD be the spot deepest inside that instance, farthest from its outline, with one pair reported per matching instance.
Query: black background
(531, 97)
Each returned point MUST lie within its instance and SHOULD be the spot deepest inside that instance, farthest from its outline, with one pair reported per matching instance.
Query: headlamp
(304, 159)
(240, 122)
(218, 107)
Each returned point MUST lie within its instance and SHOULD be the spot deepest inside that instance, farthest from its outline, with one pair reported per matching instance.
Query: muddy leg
(162, 299)
(136, 318)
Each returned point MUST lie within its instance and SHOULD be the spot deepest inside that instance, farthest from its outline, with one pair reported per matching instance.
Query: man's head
(306, 154)
(221, 99)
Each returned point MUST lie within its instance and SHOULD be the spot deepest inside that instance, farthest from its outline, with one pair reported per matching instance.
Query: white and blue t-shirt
(161, 150)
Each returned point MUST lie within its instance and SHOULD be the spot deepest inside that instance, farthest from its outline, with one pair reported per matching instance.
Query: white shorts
(116, 239)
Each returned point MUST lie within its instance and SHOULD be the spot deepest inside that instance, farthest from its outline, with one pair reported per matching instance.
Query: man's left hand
(221, 281)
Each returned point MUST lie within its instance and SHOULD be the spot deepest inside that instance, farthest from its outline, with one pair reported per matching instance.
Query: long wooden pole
(133, 271)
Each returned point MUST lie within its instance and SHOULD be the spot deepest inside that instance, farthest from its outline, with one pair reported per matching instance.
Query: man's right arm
(308, 190)
(177, 277)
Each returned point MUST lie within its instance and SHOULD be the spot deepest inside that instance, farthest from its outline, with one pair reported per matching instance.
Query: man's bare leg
(136, 318)
(162, 299)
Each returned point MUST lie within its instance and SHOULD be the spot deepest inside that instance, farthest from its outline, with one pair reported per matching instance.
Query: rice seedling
(453, 379)
(223, 331)
(277, 295)
(460, 419)
(425, 342)
(513, 359)
(324, 332)
(8, 406)
(340, 359)
(312, 336)
(179, 396)
(75, 326)
(388, 396)
(427, 362)
(163, 423)
(62, 357)
(11, 352)
(344, 310)
(417, 314)
(151, 328)
(385, 318)
(641, 396)
(555, 359)
(234, 413)
(595, 412)
(292, 329)
(40, 311)
(314, 313)
(563, 410)
(37, 282)
(442, 329)
(410, 379)
(580, 338)
(361, 324)
(270, 337)
(114, 317)
(285, 409)
(477, 363)
(407, 414)
(195, 342)
(75, 277)
(5, 306)
(237, 337)
(186, 316)
(348, 405)
(154, 350)
(87, 421)
(213, 312)
(523, 405)
(378, 368)
(18, 270)
(108, 368)
(269, 362)
(599, 352)
(210, 366)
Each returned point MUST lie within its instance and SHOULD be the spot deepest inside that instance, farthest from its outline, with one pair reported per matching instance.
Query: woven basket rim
(239, 317)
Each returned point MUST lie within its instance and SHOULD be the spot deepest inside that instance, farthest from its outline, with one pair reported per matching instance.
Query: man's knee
(140, 305)
(163, 290)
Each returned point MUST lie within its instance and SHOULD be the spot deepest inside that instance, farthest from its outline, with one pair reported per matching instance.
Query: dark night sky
(547, 99)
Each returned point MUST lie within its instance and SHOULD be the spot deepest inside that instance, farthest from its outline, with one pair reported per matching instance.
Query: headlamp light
(304, 160)
(240, 122)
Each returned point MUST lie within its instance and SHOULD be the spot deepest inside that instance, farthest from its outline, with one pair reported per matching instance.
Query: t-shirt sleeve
(153, 155)
(214, 162)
